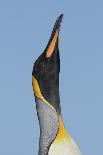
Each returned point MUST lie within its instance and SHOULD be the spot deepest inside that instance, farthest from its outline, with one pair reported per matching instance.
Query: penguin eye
(42, 65)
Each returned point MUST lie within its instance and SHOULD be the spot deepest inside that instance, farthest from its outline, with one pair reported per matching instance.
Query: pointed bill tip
(54, 36)
(59, 19)
(58, 23)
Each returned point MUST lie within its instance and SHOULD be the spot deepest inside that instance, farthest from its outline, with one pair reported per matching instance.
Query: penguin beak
(46, 70)
(54, 37)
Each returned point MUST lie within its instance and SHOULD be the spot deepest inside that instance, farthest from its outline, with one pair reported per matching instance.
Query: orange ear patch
(52, 45)
(37, 91)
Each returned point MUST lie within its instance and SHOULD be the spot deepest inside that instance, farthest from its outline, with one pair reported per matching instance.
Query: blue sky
(25, 27)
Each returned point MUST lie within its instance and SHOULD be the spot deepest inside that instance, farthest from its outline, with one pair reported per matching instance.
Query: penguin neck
(48, 121)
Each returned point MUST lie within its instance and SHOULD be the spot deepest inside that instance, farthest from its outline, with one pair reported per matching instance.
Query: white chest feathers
(64, 147)
(63, 143)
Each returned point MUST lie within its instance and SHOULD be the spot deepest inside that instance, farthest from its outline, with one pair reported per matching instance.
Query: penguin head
(45, 74)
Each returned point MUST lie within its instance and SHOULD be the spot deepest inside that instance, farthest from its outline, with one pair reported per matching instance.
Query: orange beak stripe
(52, 45)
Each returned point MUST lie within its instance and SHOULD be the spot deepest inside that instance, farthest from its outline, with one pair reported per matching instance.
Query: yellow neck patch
(37, 91)
(63, 143)
(62, 133)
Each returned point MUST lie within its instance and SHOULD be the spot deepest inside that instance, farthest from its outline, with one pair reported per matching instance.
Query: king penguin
(54, 139)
